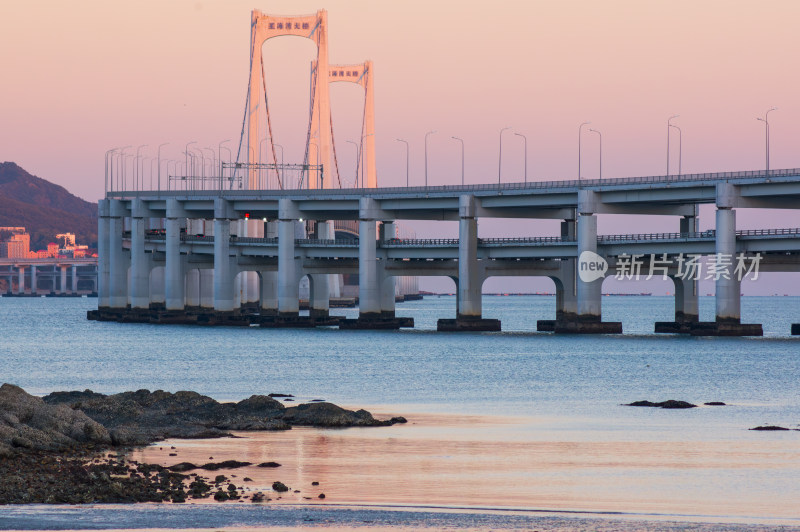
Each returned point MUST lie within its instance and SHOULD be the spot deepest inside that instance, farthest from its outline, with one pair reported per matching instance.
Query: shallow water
(557, 437)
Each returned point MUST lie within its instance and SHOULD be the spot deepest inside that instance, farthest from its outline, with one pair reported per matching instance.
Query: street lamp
(121, 171)
(525, 139)
(355, 182)
(186, 153)
(601, 150)
(136, 173)
(406, 143)
(219, 156)
(426, 156)
(680, 147)
(579, 149)
(766, 121)
(462, 158)
(500, 157)
(159, 164)
(669, 126)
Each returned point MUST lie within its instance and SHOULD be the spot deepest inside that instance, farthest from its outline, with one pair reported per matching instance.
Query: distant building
(15, 244)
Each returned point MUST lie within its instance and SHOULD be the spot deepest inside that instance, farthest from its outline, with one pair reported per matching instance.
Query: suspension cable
(269, 124)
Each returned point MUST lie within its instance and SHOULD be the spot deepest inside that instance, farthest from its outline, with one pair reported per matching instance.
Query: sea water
(566, 391)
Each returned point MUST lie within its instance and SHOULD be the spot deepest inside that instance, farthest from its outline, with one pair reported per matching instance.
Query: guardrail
(530, 185)
(490, 242)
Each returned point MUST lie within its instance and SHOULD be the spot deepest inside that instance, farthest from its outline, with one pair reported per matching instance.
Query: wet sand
(489, 463)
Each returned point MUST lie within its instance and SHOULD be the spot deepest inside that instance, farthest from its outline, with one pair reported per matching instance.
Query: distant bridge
(49, 276)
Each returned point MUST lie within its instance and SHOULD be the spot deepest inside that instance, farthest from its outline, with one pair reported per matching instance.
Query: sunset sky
(79, 78)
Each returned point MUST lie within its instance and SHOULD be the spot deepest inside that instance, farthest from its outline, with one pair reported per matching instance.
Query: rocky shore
(54, 449)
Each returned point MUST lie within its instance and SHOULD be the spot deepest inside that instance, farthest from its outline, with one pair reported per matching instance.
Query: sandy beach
(490, 463)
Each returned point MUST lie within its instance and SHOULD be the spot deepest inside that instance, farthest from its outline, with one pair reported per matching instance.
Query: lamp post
(579, 149)
(426, 156)
(766, 121)
(406, 143)
(110, 167)
(186, 153)
(159, 163)
(121, 172)
(500, 157)
(136, 173)
(669, 126)
(680, 147)
(525, 139)
(219, 156)
(601, 150)
(462, 158)
(355, 181)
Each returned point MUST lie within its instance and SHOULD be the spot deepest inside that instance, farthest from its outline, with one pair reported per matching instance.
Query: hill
(44, 208)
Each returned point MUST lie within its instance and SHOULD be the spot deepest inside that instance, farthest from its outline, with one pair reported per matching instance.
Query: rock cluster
(141, 417)
(27, 422)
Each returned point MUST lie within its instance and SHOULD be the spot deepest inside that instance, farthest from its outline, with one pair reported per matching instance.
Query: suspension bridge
(232, 247)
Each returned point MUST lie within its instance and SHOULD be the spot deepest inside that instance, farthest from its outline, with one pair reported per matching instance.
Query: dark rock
(715, 403)
(670, 404)
(329, 415)
(227, 464)
(219, 479)
(769, 427)
(321, 496)
(315, 483)
(398, 419)
(221, 496)
(280, 395)
(279, 487)
(181, 467)
(247, 479)
(257, 497)
(28, 422)
(269, 464)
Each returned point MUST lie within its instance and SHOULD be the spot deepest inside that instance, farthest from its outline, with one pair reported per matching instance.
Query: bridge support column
(103, 251)
(320, 294)
(728, 286)
(140, 274)
(686, 294)
(192, 289)
(470, 281)
(288, 274)
(34, 283)
(223, 276)
(369, 305)
(62, 289)
(174, 286)
(370, 278)
(21, 280)
(386, 232)
(589, 277)
(269, 279)
(566, 298)
(118, 266)
(74, 289)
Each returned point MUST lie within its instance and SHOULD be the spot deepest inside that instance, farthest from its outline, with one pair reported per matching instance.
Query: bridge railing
(453, 242)
(500, 187)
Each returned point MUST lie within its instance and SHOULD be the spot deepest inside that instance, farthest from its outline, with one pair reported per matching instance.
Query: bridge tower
(264, 27)
(360, 74)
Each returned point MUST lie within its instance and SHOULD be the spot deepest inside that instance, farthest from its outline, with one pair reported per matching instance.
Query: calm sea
(567, 388)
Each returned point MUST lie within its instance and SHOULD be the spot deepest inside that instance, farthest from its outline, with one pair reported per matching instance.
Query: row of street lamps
(139, 174)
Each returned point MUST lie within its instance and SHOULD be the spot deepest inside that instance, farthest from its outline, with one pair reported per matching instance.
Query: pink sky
(81, 77)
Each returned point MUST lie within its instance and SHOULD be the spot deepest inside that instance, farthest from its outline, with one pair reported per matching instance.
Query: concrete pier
(288, 278)
(469, 298)
(588, 286)
(223, 278)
